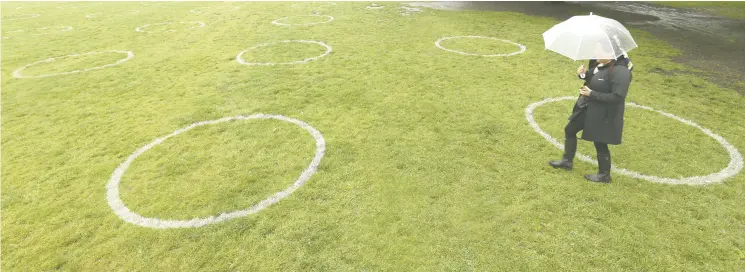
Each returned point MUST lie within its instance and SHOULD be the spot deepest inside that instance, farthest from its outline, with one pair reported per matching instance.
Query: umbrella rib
(576, 54)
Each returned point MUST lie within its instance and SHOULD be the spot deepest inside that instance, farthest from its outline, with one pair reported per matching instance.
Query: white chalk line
(5, 35)
(17, 72)
(214, 9)
(121, 210)
(141, 28)
(64, 28)
(32, 15)
(520, 51)
(733, 167)
(151, 4)
(240, 60)
(276, 22)
(77, 6)
(94, 15)
(315, 3)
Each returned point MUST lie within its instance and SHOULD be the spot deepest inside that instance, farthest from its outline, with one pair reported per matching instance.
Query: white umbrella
(589, 37)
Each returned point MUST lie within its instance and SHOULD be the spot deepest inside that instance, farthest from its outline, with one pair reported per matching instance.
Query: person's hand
(585, 91)
(581, 69)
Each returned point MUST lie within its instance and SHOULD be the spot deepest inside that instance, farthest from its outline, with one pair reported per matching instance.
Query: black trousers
(575, 125)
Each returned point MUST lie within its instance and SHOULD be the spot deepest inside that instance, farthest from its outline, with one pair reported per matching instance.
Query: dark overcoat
(605, 108)
(582, 101)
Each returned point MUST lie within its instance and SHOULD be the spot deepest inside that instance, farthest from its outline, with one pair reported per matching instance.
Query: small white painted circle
(17, 72)
(78, 6)
(240, 60)
(21, 17)
(94, 15)
(60, 29)
(733, 167)
(121, 210)
(316, 4)
(150, 4)
(197, 24)
(213, 9)
(329, 19)
(521, 47)
(44, 31)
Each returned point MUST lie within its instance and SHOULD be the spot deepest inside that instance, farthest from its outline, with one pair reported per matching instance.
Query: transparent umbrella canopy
(589, 37)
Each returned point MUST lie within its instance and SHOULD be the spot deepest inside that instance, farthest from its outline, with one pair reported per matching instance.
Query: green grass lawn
(430, 163)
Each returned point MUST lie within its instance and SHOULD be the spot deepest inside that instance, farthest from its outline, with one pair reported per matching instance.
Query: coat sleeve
(620, 80)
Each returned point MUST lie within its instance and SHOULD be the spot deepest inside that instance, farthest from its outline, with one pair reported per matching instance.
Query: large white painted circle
(44, 31)
(519, 51)
(17, 72)
(61, 29)
(22, 16)
(316, 4)
(78, 6)
(142, 28)
(94, 15)
(277, 22)
(734, 166)
(240, 60)
(213, 9)
(121, 210)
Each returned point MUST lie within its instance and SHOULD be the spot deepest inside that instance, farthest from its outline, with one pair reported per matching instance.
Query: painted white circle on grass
(21, 17)
(734, 166)
(520, 51)
(213, 9)
(142, 28)
(61, 29)
(17, 72)
(94, 15)
(78, 6)
(5, 36)
(150, 4)
(330, 18)
(121, 210)
(240, 60)
(315, 3)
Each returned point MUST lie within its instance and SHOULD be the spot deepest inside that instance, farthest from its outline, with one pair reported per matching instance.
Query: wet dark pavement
(711, 43)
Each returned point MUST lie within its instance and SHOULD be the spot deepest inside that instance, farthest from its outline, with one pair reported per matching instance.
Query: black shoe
(599, 177)
(603, 175)
(563, 164)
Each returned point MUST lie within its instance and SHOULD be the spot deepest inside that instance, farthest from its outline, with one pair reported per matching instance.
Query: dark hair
(621, 60)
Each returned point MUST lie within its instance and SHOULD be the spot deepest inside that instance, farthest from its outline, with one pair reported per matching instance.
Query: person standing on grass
(598, 112)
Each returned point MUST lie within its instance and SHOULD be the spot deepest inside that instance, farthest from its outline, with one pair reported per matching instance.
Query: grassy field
(430, 163)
